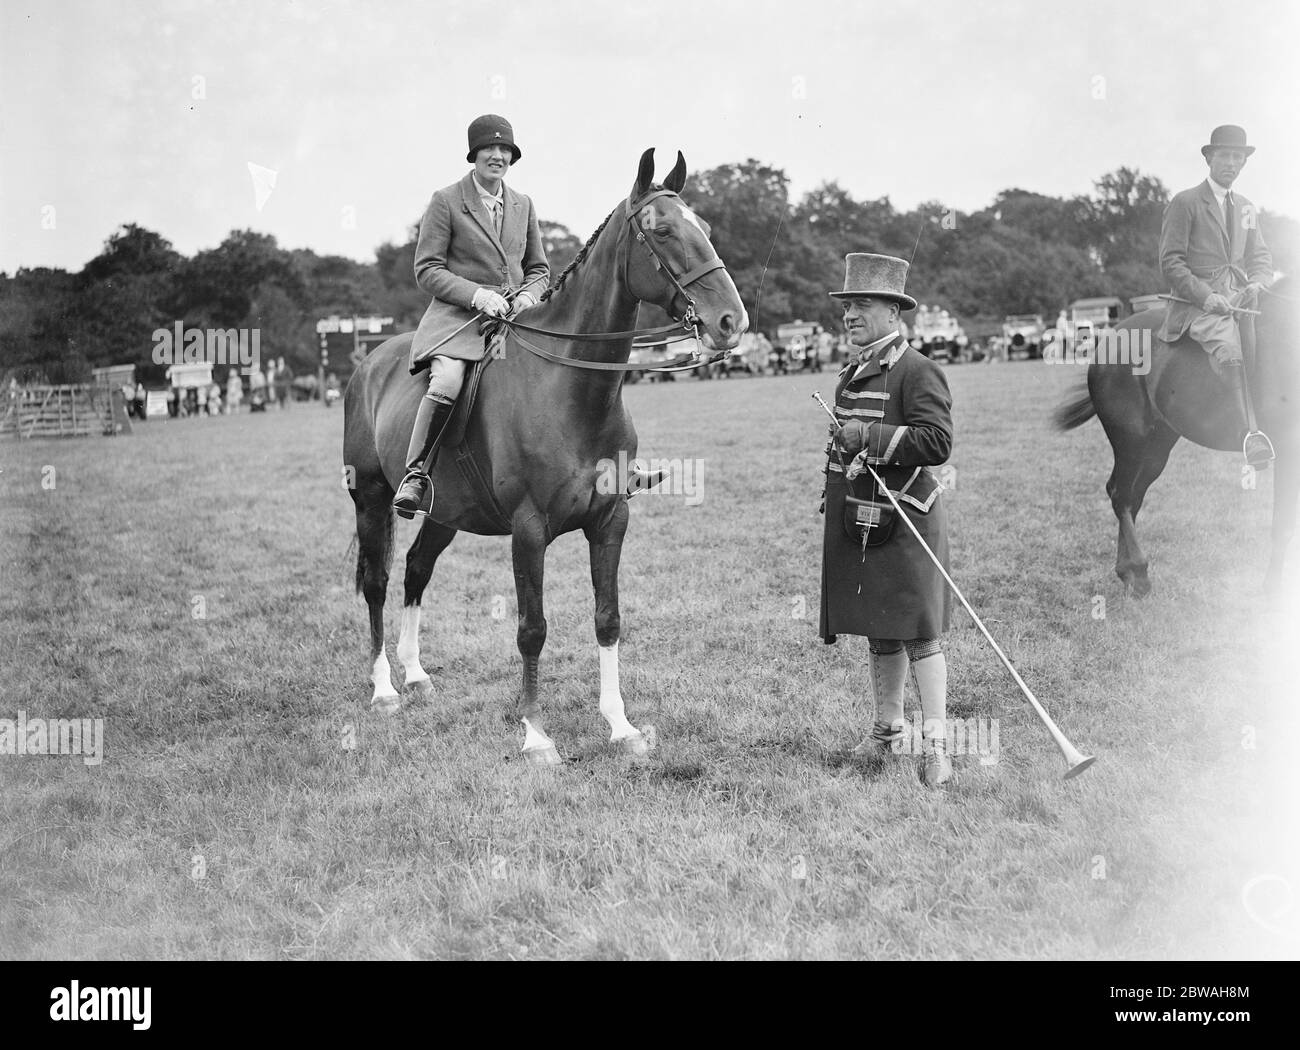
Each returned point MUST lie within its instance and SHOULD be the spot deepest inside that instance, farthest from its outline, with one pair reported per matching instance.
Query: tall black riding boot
(1256, 446)
(430, 421)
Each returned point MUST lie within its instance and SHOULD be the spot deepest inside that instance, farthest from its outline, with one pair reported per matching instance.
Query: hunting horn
(1075, 760)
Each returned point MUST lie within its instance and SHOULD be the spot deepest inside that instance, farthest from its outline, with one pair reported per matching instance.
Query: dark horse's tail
(1076, 411)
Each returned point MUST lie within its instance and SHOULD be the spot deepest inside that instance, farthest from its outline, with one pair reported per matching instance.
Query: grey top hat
(1227, 136)
(877, 277)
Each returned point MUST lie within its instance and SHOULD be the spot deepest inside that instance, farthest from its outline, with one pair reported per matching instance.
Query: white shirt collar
(484, 193)
(1219, 191)
(873, 348)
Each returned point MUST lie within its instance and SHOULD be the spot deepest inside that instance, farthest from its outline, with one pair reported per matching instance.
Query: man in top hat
(894, 412)
(1213, 254)
(480, 250)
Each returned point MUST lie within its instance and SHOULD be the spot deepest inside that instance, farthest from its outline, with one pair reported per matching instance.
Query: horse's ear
(677, 177)
(645, 173)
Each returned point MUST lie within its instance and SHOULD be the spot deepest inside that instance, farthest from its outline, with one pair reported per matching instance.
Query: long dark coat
(894, 591)
(458, 252)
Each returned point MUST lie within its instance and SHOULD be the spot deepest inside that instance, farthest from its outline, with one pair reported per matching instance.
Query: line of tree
(1024, 253)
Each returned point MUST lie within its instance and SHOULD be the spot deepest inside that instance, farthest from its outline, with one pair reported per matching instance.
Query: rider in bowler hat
(1213, 254)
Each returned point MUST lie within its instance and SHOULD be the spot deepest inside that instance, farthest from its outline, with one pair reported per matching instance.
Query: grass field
(192, 586)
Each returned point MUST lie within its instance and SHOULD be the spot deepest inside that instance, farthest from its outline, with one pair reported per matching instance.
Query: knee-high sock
(888, 675)
(932, 683)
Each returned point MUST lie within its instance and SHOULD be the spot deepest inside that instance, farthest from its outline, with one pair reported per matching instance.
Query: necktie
(1230, 217)
(497, 211)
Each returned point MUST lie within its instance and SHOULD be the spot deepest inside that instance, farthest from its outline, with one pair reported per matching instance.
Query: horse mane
(582, 252)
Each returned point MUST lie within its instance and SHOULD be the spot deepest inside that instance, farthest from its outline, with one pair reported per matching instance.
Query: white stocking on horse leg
(408, 652)
(386, 700)
(539, 748)
(611, 704)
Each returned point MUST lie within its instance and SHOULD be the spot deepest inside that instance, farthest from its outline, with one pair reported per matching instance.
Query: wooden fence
(60, 411)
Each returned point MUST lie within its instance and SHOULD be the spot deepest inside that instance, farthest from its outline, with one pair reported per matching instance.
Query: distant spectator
(234, 392)
(283, 381)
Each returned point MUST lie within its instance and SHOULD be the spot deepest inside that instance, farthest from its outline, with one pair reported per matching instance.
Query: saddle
(459, 420)
(453, 439)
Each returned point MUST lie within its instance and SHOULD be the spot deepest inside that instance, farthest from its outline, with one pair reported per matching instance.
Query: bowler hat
(491, 130)
(876, 277)
(1227, 136)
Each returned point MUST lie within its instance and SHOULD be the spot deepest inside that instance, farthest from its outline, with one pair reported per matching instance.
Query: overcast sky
(151, 111)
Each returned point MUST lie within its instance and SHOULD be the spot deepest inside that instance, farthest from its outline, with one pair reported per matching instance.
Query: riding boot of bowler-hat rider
(430, 421)
(1256, 446)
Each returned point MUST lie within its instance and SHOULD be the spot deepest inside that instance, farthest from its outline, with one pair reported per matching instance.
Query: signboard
(199, 375)
(350, 339)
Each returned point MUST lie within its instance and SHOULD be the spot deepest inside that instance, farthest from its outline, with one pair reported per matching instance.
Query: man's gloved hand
(1249, 296)
(1217, 304)
(851, 437)
(523, 301)
(490, 302)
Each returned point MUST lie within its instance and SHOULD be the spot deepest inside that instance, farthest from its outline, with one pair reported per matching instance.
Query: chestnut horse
(541, 436)
(1145, 415)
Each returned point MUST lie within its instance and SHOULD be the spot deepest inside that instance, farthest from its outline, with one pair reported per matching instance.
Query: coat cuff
(891, 435)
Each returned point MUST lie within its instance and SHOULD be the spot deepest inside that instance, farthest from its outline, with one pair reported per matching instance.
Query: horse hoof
(637, 746)
(386, 705)
(421, 692)
(1141, 587)
(543, 756)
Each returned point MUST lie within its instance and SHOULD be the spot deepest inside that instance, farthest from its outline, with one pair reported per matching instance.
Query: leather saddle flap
(465, 404)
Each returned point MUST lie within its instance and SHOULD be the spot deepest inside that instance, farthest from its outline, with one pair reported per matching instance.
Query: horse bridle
(690, 319)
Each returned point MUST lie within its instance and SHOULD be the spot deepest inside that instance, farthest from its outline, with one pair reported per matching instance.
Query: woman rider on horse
(480, 250)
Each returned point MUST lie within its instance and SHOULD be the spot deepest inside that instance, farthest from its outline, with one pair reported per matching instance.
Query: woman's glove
(490, 302)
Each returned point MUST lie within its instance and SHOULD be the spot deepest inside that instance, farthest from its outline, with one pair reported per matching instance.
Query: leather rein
(690, 320)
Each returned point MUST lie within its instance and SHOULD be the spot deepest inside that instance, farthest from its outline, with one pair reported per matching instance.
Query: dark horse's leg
(1141, 443)
(528, 548)
(1155, 454)
(372, 496)
(605, 539)
(430, 542)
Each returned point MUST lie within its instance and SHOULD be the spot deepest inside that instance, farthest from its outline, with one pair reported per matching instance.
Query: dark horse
(1145, 415)
(544, 438)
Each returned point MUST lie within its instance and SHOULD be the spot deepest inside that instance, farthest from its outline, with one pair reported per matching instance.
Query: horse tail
(352, 545)
(1076, 411)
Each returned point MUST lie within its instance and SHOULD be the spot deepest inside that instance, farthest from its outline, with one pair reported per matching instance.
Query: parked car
(937, 335)
(1024, 334)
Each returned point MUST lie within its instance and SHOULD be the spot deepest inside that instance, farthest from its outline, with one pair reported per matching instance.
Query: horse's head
(672, 263)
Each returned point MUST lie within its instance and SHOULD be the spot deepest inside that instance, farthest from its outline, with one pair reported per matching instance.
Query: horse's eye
(663, 232)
